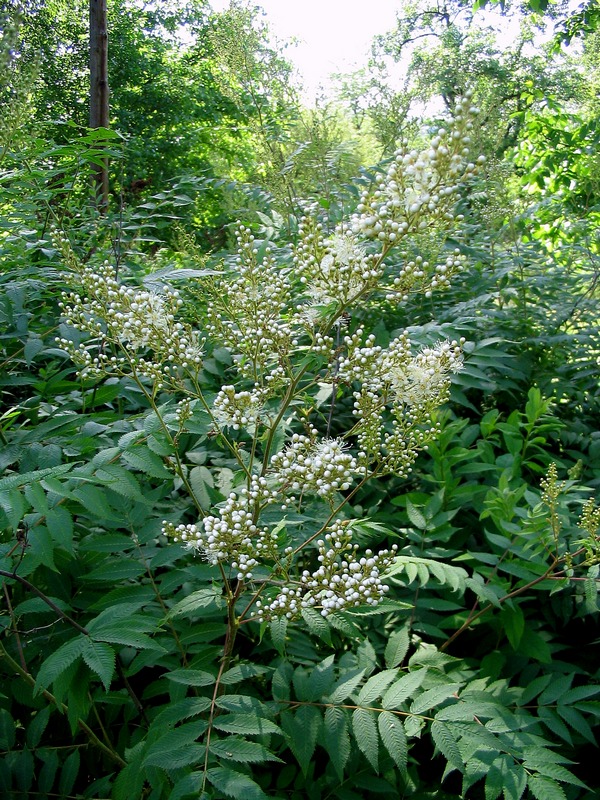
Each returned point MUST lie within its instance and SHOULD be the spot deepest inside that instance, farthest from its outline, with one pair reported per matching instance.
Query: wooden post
(99, 89)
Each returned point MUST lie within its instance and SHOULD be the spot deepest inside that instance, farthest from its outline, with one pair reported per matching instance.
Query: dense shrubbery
(379, 433)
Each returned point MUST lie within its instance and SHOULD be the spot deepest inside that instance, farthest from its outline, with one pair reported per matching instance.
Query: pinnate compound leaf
(337, 738)
(236, 749)
(346, 685)
(100, 658)
(396, 648)
(59, 661)
(446, 744)
(403, 689)
(302, 730)
(394, 738)
(376, 686)
(365, 733)
(235, 784)
(545, 788)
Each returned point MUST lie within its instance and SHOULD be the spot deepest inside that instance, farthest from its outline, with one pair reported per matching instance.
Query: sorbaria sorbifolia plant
(282, 538)
(284, 326)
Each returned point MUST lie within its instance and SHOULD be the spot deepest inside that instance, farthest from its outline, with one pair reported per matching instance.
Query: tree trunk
(99, 90)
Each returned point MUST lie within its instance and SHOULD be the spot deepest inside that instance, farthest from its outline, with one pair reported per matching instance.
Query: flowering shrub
(282, 327)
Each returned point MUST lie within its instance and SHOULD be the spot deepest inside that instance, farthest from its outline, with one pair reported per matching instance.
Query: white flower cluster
(238, 409)
(423, 381)
(343, 580)
(419, 187)
(233, 538)
(418, 274)
(323, 467)
(335, 270)
(246, 313)
(135, 319)
(413, 385)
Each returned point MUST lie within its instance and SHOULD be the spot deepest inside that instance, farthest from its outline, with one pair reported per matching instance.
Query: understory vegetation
(299, 436)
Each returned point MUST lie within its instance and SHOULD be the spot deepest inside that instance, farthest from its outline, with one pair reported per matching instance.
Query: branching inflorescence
(280, 317)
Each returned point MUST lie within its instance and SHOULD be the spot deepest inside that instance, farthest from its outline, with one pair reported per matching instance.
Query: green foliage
(134, 669)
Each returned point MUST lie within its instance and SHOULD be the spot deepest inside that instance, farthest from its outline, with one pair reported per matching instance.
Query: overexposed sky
(333, 35)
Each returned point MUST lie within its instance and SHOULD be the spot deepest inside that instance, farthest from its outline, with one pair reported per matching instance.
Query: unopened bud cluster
(238, 409)
(419, 188)
(136, 320)
(343, 579)
(233, 538)
(245, 312)
(310, 466)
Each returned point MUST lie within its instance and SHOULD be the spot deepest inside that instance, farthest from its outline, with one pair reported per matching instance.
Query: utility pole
(99, 90)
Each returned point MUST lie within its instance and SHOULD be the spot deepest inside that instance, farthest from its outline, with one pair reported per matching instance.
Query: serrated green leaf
(535, 687)
(35, 729)
(545, 788)
(175, 740)
(433, 697)
(60, 526)
(249, 724)
(557, 772)
(144, 460)
(579, 693)
(235, 784)
(396, 648)
(376, 686)
(59, 661)
(346, 684)
(364, 726)
(446, 744)
(120, 480)
(69, 773)
(13, 504)
(337, 739)
(8, 730)
(404, 688)
(559, 686)
(555, 724)
(100, 658)
(515, 780)
(191, 677)
(201, 599)
(513, 624)
(317, 624)
(320, 679)
(416, 516)
(182, 709)
(393, 737)
(174, 759)
(302, 730)
(278, 629)
(494, 782)
(241, 751)
(577, 721)
(241, 672)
